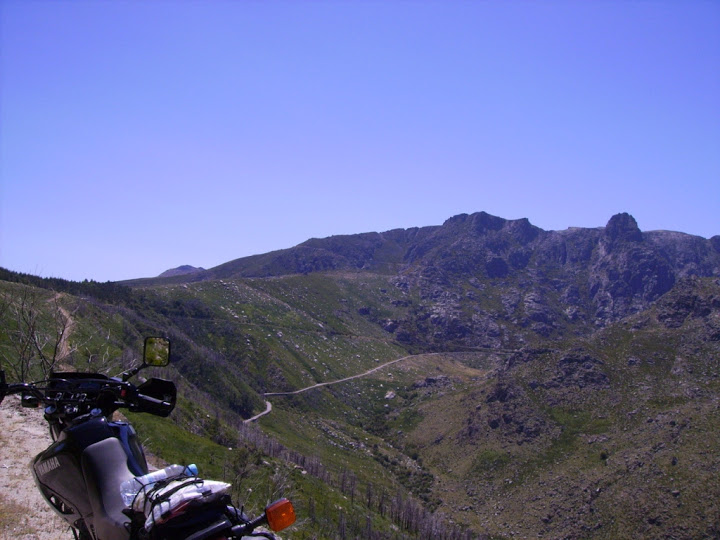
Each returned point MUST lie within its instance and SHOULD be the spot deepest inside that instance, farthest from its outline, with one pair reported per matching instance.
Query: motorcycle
(92, 459)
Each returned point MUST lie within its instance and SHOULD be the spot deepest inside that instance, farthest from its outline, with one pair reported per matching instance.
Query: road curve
(268, 408)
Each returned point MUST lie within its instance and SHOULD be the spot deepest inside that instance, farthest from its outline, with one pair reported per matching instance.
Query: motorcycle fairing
(58, 477)
(58, 470)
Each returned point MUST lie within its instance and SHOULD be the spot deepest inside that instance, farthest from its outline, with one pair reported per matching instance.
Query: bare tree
(100, 362)
(352, 484)
(368, 494)
(279, 485)
(240, 467)
(36, 335)
(22, 323)
(311, 510)
(368, 532)
(4, 305)
(342, 526)
(382, 499)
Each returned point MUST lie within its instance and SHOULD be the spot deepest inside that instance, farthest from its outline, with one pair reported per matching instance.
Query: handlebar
(74, 394)
(3, 385)
(28, 389)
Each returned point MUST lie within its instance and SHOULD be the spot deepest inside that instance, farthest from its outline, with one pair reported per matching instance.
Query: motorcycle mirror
(156, 352)
(280, 514)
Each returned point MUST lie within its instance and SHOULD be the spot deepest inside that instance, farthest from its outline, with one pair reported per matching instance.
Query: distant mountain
(544, 280)
(181, 271)
(482, 245)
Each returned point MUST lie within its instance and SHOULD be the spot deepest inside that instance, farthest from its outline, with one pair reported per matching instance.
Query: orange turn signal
(280, 514)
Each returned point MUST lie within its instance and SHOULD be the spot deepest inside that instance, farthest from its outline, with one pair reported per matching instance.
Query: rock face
(578, 370)
(685, 303)
(626, 272)
(505, 415)
(483, 280)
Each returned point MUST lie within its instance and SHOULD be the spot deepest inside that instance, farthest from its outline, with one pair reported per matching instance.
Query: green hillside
(221, 365)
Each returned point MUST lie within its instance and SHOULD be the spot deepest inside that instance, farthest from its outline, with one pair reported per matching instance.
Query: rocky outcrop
(690, 301)
(505, 414)
(626, 273)
(578, 370)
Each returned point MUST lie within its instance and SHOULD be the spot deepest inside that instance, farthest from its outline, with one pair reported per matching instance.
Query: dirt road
(364, 374)
(268, 408)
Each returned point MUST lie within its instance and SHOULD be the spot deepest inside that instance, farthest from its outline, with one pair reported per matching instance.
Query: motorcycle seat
(105, 466)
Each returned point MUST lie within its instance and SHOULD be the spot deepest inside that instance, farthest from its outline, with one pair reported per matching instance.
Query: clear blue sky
(136, 136)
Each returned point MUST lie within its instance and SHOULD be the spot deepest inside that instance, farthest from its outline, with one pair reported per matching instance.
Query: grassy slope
(607, 461)
(622, 446)
(278, 332)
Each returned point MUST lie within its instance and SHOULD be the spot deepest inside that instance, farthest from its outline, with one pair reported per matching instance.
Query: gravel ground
(24, 514)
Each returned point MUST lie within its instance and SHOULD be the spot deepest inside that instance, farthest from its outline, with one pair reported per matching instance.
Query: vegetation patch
(488, 462)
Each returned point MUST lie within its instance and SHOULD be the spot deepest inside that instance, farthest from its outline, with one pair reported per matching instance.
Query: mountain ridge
(462, 271)
(375, 250)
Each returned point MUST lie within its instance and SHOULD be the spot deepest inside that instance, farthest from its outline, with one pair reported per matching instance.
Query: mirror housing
(156, 352)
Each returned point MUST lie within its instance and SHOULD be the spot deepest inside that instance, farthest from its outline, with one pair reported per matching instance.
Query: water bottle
(130, 488)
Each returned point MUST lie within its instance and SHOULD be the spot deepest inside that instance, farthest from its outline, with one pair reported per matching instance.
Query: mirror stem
(126, 375)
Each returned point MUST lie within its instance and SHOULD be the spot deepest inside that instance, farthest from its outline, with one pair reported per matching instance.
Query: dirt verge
(24, 514)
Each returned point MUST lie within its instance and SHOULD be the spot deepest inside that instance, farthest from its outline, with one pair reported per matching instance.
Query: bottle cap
(192, 469)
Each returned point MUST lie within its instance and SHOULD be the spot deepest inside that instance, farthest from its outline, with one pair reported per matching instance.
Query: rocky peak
(479, 222)
(715, 243)
(623, 228)
(483, 222)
